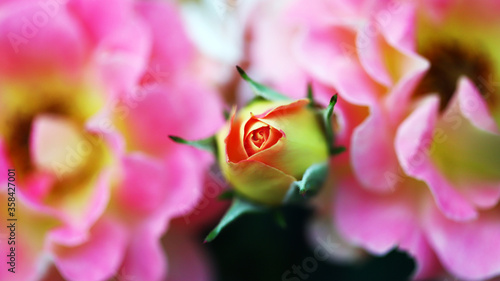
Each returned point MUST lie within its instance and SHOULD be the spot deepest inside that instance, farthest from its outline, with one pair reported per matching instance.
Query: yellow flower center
(59, 109)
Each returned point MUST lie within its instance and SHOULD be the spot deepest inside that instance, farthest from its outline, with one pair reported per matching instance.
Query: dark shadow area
(256, 248)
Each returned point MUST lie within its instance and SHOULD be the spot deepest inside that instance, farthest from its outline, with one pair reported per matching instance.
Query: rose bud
(269, 145)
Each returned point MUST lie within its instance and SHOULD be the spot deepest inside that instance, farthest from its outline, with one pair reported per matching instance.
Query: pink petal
(330, 54)
(374, 221)
(172, 51)
(474, 107)
(96, 259)
(209, 208)
(483, 195)
(102, 19)
(398, 24)
(37, 185)
(389, 63)
(143, 188)
(272, 59)
(372, 152)
(121, 62)
(46, 150)
(186, 166)
(413, 140)
(144, 259)
(31, 29)
(372, 50)
(29, 239)
(110, 25)
(315, 13)
(379, 222)
(170, 194)
(335, 11)
(468, 250)
(183, 108)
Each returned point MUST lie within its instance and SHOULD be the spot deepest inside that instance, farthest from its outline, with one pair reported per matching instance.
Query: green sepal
(238, 208)
(261, 90)
(312, 181)
(327, 119)
(312, 101)
(207, 144)
(310, 96)
(227, 115)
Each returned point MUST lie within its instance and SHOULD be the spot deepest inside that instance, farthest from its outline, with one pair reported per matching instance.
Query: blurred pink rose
(89, 92)
(417, 113)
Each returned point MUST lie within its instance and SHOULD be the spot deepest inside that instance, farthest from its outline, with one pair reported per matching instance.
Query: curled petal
(258, 181)
(144, 258)
(372, 152)
(259, 136)
(230, 143)
(30, 31)
(110, 26)
(473, 106)
(466, 249)
(303, 142)
(143, 187)
(413, 140)
(469, 126)
(375, 221)
(330, 54)
(172, 51)
(187, 167)
(380, 222)
(30, 261)
(96, 259)
(142, 115)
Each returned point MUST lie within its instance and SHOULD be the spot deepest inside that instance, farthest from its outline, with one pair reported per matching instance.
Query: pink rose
(417, 112)
(84, 91)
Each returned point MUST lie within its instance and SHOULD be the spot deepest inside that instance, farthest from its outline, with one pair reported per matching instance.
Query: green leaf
(207, 144)
(327, 118)
(261, 90)
(312, 181)
(237, 209)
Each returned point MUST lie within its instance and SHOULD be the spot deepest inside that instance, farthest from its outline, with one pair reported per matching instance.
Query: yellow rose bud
(269, 145)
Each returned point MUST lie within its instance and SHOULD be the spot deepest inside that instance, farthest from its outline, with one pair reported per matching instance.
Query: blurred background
(256, 248)
(90, 92)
